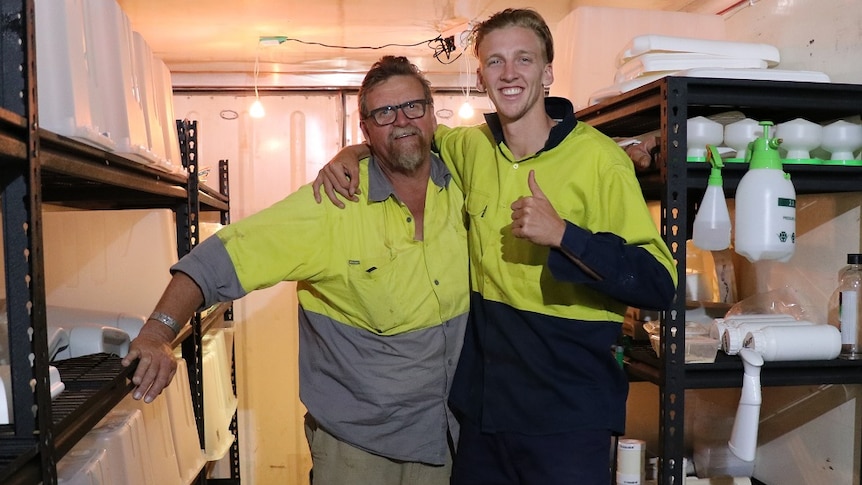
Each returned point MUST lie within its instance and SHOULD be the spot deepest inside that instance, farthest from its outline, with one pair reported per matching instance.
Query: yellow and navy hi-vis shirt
(536, 357)
(382, 315)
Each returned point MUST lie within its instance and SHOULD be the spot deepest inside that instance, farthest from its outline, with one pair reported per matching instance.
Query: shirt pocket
(479, 216)
(379, 289)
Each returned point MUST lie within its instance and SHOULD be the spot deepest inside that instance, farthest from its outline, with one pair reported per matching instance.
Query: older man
(383, 294)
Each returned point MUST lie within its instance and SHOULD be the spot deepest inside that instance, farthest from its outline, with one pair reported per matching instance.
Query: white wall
(810, 35)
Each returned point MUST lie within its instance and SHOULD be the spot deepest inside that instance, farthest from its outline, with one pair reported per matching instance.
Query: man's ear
(548, 75)
(364, 131)
(480, 86)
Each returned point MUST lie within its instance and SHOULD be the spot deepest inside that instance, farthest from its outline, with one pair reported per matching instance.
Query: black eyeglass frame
(420, 102)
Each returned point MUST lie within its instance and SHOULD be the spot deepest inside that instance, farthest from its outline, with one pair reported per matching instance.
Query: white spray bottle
(712, 223)
(765, 220)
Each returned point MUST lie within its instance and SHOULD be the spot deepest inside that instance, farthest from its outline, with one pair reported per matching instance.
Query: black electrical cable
(443, 47)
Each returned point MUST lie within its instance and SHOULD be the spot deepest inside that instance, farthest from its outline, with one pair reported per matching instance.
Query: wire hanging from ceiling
(440, 45)
(256, 110)
(466, 110)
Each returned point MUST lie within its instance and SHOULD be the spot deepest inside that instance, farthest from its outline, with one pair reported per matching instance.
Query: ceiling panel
(221, 36)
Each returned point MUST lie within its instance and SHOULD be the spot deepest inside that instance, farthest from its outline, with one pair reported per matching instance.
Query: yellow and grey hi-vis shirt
(382, 315)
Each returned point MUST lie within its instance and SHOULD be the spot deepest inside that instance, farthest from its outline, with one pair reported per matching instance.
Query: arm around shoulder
(341, 175)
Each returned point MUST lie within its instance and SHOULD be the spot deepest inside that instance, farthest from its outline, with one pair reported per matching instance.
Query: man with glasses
(383, 293)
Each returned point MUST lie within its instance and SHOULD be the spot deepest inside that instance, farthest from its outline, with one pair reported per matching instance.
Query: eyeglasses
(386, 115)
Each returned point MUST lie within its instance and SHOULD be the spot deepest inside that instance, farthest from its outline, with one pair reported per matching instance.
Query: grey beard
(410, 160)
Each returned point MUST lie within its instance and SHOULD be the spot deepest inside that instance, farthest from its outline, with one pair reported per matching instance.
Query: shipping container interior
(304, 62)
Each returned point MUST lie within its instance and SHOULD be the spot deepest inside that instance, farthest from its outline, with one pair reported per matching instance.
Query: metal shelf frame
(666, 105)
(37, 166)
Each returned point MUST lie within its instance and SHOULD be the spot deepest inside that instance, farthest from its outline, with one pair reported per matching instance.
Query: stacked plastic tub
(99, 82)
(157, 443)
(83, 467)
(165, 110)
(139, 443)
(220, 402)
(143, 69)
(66, 104)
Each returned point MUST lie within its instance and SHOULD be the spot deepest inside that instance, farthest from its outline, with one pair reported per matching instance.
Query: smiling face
(514, 72)
(406, 143)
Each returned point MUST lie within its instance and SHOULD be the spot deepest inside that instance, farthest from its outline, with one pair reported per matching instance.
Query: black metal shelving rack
(666, 105)
(39, 167)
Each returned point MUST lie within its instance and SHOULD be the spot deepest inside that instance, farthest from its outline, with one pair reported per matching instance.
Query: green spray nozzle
(714, 159)
(763, 151)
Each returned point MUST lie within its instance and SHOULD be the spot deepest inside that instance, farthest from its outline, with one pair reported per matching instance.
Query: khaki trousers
(337, 463)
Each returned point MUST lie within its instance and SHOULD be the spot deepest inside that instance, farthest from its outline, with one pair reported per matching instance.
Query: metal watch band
(168, 320)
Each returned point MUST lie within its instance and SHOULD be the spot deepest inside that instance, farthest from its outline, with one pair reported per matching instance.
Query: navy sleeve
(605, 263)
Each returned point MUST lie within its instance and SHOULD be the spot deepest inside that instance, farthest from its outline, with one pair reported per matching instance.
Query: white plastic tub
(220, 403)
(109, 55)
(144, 79)
(93, 261)
(64, 90)
(651, 43)
(161, 452)
(6, 405)
(121, 436)
(69, 317)
(165, 111)
(83, 467)
(190, 457)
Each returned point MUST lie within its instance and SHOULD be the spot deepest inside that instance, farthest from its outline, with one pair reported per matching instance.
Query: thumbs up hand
(534, 218)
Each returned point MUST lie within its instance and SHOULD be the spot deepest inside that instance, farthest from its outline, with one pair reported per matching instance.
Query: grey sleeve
(211, 268)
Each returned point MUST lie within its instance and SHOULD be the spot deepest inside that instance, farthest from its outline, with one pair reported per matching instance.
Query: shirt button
(437, 282)
(409, 219)
(515, 166)
(449, 361)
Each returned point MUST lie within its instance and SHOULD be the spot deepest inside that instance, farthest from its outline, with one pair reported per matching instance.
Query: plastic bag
(786, 301)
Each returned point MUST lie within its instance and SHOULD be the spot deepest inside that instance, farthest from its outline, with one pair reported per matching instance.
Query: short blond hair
(517, 17)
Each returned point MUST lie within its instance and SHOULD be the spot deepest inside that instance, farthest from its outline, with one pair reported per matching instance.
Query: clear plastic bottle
(712, 223)
(845, 308)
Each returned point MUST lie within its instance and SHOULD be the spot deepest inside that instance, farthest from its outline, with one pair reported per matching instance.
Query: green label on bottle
(783, 202)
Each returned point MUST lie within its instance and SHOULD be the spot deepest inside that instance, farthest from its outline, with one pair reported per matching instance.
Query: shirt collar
(380, 188)
(559, 109)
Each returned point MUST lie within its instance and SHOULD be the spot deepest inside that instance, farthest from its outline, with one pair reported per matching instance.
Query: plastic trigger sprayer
(712, 223)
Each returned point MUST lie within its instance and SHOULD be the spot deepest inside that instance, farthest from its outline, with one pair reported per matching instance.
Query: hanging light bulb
(466, 110)
(256, 109)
